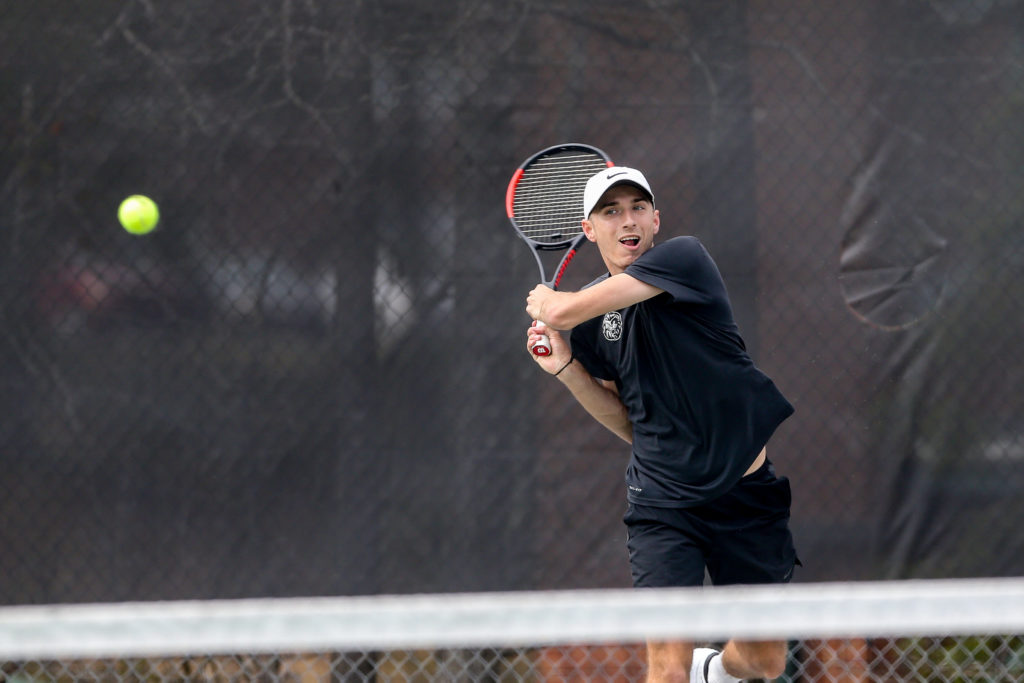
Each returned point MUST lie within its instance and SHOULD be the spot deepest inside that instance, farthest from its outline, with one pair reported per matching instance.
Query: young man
(656, 357)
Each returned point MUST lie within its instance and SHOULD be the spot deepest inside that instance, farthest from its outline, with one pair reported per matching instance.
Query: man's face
(623, 225)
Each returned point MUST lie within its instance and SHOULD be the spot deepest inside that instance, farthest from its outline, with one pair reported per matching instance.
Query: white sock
(716, 672)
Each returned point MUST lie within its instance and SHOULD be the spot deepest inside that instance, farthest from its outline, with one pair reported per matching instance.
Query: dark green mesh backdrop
(311, 379)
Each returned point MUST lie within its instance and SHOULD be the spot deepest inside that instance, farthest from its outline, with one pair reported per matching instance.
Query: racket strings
(548, 201)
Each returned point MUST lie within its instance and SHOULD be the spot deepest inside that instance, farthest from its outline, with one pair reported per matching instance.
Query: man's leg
(755, 659)
(669, 661)
(754, 546)
(665, 550)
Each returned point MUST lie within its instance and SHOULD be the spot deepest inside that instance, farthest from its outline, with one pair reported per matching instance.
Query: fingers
(535, 300)
(537, 331)
(558, 352)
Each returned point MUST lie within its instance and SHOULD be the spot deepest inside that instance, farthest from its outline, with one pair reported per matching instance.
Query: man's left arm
(565, 310)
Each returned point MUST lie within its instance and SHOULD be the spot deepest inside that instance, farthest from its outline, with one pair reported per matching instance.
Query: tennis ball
(138, 214)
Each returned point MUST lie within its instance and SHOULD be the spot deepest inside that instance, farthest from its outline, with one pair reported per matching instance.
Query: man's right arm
(599, 398)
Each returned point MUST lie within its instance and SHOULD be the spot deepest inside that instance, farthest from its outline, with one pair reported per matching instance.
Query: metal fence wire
(941, 631)
(311, 379)
(941, 659)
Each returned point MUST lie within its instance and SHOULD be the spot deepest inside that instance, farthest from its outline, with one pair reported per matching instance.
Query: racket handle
(542, 347)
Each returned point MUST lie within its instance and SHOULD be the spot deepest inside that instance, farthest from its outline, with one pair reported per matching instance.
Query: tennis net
(944, 631)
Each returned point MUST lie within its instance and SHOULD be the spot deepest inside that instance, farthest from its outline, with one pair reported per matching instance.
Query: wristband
(568, 363)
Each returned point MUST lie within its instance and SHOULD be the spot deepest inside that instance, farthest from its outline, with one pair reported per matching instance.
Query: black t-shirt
(701, 410)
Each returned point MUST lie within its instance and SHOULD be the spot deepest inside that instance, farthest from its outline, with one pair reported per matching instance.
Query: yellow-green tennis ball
(138, 214)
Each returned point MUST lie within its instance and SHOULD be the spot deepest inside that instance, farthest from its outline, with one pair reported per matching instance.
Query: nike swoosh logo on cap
(615, 173)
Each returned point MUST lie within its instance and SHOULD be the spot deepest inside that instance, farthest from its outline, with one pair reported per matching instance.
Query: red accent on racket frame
(561, 270)
(510, 193)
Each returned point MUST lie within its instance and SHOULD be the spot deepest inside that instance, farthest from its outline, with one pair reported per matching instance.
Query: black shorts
(741, 537)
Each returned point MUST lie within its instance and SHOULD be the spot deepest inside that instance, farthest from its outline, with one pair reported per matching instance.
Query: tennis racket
(544, 202)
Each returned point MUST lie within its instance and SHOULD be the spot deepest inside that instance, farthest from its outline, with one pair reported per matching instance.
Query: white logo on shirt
(612, 326)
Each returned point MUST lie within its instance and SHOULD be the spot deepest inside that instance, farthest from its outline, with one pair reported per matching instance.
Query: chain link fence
(311, 378)
(939, 659)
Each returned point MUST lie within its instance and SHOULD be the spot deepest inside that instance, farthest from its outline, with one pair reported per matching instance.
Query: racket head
(544, 199)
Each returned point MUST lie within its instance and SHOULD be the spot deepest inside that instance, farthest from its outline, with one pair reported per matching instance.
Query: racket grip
(542, 347)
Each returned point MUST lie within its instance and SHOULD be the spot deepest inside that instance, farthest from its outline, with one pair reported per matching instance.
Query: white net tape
(517, 622)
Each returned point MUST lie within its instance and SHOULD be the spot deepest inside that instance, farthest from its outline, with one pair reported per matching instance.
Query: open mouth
(631, 241)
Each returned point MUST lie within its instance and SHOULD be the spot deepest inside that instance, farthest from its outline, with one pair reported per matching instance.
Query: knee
(768, 659)
(773, 667)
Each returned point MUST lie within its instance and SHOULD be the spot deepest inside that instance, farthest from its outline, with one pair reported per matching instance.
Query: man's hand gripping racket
(544, 203)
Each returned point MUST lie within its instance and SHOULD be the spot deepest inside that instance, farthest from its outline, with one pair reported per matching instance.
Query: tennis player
(656, 357)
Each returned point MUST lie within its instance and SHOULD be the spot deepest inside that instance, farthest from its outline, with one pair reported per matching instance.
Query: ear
(657, 221)
(588, 230)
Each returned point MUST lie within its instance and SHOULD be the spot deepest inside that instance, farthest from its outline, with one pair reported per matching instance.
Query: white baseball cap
(601, 181)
